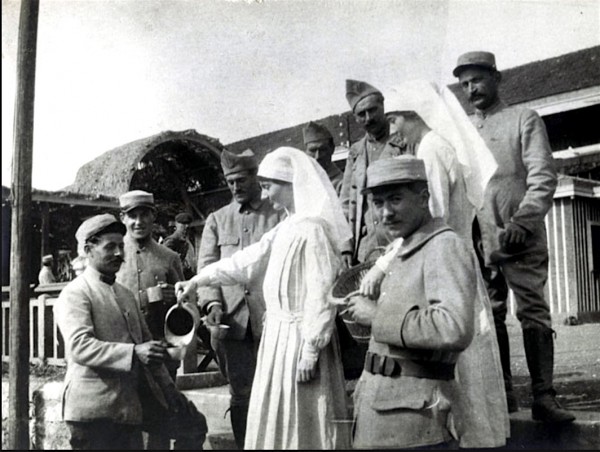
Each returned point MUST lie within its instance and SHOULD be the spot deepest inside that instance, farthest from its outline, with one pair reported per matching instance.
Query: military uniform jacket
(146, 267)
(101, 324)
(426, 313)
(229, 229)
(354, 204)
(522, 188)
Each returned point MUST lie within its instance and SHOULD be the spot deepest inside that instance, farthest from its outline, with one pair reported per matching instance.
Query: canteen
(181, 322)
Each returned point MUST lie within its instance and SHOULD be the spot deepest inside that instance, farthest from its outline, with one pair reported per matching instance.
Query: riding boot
(504, 348)
(239, 415)
(539, 352)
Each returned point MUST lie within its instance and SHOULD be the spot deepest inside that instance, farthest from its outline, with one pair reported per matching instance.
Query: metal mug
(155, 294)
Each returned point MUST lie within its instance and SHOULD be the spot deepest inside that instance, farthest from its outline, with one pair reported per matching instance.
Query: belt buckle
(391, 367)
(378, 364)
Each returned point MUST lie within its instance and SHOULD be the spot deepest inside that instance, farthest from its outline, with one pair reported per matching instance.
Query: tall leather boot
(239, 414)
(539, 352)
(504, 348)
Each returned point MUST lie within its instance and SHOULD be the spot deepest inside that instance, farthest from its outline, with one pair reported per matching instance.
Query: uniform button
(138, 252)
(141, 290)
(376, 222)
(354, 186)
(140, 271)
(247, 292)
(245, 229)
(480, 126)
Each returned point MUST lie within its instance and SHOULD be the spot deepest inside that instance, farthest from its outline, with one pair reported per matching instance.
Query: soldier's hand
(215, 315)
(362, 309)
(514, 236)
(151, 353)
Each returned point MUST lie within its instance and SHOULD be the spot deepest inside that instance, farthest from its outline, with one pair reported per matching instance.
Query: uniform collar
(371, 139)
(498, 105)
(422, 235)
(134, 243)
(95, 275)
(255, 204)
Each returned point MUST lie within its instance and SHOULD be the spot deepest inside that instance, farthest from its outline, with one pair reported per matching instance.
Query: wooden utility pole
(20, 248)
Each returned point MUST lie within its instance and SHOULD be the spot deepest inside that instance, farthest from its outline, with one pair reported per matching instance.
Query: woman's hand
(306, 370)
(185, 291)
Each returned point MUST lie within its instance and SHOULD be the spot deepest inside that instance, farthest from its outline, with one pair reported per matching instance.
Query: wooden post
(45, 226)
(18, 421)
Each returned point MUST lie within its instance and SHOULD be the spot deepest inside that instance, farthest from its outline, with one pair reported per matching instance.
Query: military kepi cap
(234, 163)
(402, 169)
(477, 58)
(315, 132)
(357, 91)
(136, 198)
(183, 218)
(48, 258)
(96, 225)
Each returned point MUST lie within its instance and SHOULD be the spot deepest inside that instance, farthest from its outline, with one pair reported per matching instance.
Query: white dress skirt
(301, 266)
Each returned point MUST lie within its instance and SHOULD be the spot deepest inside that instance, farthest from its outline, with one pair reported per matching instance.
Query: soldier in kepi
(367, 106)
(509, 232)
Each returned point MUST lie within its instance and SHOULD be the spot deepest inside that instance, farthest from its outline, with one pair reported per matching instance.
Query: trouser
(187, 426)
(237, 362)
(104, 435)
(526, 276)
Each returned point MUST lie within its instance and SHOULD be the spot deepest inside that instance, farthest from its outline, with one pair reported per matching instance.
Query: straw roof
(182, 169)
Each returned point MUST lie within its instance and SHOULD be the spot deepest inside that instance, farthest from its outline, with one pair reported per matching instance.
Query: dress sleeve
(244, 265)
(384, 261)
(321, 266)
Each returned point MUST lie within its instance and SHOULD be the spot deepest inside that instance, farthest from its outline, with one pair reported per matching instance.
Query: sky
(113, 71)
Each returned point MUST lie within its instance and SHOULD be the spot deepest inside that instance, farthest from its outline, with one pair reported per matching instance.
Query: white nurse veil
(314, 195)
(442, 112)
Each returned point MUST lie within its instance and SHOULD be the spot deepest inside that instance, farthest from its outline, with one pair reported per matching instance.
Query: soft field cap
(136, 198)
(95, 225)
(357, 91)
(315, 132)
(234, 163)
(183, 218)
(392, 171)
(47, 259)
(478, 58)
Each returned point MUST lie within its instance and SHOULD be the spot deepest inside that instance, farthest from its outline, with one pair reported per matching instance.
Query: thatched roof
(182, 170)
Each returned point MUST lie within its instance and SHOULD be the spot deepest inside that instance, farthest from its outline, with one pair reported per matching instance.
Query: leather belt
(388, 366)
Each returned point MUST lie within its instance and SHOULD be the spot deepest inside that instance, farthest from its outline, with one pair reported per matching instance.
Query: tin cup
(155, 294)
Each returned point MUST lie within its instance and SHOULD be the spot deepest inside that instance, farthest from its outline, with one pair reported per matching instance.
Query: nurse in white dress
(298, 396)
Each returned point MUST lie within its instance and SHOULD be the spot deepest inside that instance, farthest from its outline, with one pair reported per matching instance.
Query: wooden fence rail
(45, 341)
(46, 344)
